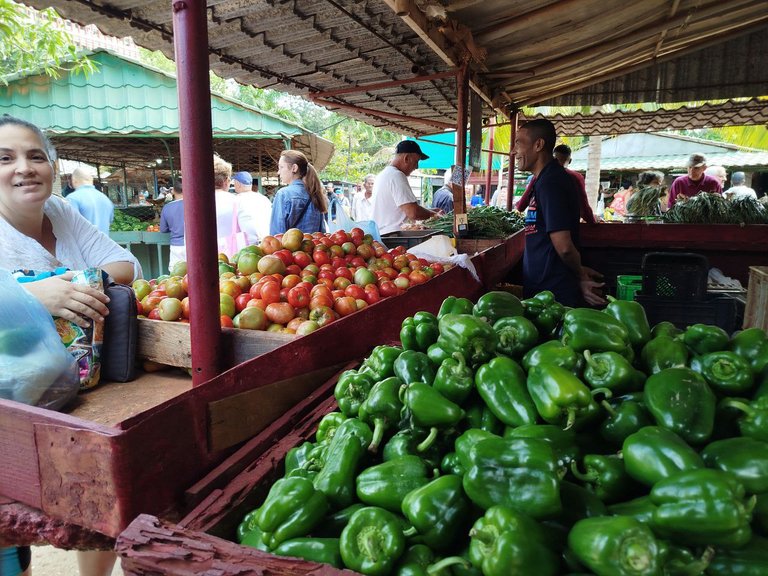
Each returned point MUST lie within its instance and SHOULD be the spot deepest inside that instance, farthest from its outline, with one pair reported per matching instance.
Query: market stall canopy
(128, 113)
(521, 52)
(635, 152)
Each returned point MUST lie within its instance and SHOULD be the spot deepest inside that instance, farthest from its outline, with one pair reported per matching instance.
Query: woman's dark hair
(50, 150)
(309, 175)
(649, 177)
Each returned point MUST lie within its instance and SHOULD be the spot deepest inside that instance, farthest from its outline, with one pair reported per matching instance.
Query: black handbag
(121, 328)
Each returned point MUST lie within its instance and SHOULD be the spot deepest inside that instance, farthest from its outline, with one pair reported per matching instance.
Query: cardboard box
(756, 311)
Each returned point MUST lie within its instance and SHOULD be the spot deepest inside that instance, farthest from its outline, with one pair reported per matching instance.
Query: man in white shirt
(393, 199)
(738, 188)
(362, 203)
(254, 210)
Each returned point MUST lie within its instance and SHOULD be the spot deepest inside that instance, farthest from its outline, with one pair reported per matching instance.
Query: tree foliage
(42, 43)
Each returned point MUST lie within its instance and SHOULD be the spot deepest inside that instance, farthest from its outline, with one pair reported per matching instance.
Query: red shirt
(585, 210)
(687, 187)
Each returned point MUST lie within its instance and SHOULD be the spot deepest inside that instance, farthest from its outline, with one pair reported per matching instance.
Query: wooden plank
(237, 418)
(169, 343)
(151, 546)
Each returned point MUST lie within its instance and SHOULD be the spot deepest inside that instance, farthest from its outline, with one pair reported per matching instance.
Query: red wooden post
(511, 172)
(489, 169)
(462, 88)
(190, 40)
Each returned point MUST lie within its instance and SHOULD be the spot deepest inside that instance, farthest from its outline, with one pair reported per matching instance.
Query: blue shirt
(554, 207)
(94, 206)
(172, 220)
(292, 208)
(477, 200)
(443, 199)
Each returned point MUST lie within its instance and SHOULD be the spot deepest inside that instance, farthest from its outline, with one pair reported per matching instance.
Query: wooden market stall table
(99, 467)
(617, 248)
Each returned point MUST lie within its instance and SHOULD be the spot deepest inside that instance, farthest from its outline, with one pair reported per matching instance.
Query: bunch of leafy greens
(705, 208)
(484, 222)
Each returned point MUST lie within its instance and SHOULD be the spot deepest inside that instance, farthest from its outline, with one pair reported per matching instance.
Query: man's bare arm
(415, 212)
(588, 278)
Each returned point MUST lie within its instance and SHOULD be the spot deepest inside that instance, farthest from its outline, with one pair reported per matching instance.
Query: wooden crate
(169, 343)
(756, 311)
(207, 533)
(102, 475)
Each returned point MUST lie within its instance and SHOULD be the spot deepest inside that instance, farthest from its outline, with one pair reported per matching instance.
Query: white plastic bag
(439, 249)
(344, 222)
(35, 368)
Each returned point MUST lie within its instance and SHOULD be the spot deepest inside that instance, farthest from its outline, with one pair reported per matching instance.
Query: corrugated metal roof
(678, 161)
(522, 52)
(125, 98)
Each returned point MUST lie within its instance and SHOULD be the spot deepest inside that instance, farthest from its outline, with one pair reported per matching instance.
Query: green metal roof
(126, 97)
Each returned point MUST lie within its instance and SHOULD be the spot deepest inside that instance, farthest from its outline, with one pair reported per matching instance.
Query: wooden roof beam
(382, 114)
(449, 50)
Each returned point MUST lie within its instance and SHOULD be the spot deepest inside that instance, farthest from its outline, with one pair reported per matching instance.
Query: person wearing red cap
(394, 201)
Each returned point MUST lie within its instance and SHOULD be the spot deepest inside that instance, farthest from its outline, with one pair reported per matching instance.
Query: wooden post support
(511, 172)
(459, 197)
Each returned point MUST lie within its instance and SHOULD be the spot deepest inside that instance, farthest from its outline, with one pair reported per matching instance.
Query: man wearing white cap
(254, 210)
(394, 201)
(694, 182)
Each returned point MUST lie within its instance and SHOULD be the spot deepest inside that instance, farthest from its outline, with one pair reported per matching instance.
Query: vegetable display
(705, 208)
(483, 222)
(589, 443)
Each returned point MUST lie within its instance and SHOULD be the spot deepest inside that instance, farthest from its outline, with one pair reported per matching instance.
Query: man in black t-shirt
(552, 260)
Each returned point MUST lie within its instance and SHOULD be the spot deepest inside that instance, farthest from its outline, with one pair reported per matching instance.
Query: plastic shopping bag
(343, 222)
(34, 367)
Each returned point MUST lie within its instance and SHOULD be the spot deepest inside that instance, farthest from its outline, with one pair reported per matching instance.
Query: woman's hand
(75, 302)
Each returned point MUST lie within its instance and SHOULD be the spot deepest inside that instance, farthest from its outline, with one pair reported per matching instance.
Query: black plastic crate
(675, 275)
(722, 311)
(407, 238)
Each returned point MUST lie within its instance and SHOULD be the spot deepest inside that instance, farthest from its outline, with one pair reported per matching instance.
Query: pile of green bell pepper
(509, 438)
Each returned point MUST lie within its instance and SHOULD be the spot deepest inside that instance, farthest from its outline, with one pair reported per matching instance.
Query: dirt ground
(50, 561)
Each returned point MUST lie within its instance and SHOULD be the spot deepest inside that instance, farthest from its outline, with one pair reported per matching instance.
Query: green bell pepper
(414, 442)
(412, 366)
(632, 315)
(613, 371)
(745, 458)
(521, 473)
(559, 396)
(352, 389)
(544, 312)
(419, 332)
(665, 328)
(328, 425)
(254, 538)
(703, 338)
(497, 304)
(478, 415)
(553, 352)
(652, 454)
(579, 503)
(247, 525)
(641, 509)
(606, 476)
(752, 345)
(380, 363)
(332, 525)
(753, 423)
(372, 542)
(464, 443)
(702, 507)
(382, 409)
(751, 560)
(437, 355)
(562, 442)
(438, 511)
(617, 546)
(454, 379)
(450, 464)
(428, 408)
(467, 335)
(516, 335)
(588, 329)
(663, 352)
(419, 560)
(760, 514)
(726, 372)
(454, 305)
(343, 456)
(505, 542)
(681, 401)
(502, 385)
(323, 550)
(292, 509)
(298, 457)
(386, 484)
(625, 416)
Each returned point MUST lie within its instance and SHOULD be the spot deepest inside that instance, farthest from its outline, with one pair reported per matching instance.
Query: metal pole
(511, 172)
(190, 40)
(489, 169)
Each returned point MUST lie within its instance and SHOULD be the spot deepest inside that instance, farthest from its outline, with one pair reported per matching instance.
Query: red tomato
(380, 275)
(355, 291)
(326, 274)
(298, 296)
(341, 283)
(320, 302)
(242, 301)
(326, 241)
(270, 245)
(318, 290)
(306, 285)
(370, 296)
(307, 327)
(402, 282)
(184, 308)
(291, 280)
(417, 277)
(270, 292)
(321, 257)
(360, 303)
(293, 269)
(438, 268)
(285, 255)
(388, 257)
(337, 294)
(256, 303)
(344, 272)
(322, 315)
(280, 312)
(390, 272)
(325, 282)
(154, 314)
(337, 250)
(226, 321)
(302, 313)
(302, 259)
(230, 287)
(387, 288)
(345, 305)
(365, 251)
(294, 323)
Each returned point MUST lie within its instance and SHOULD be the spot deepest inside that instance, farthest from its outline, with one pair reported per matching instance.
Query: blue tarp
(441, 149)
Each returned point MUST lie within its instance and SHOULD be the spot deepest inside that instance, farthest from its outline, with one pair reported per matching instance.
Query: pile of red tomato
(294, 282)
